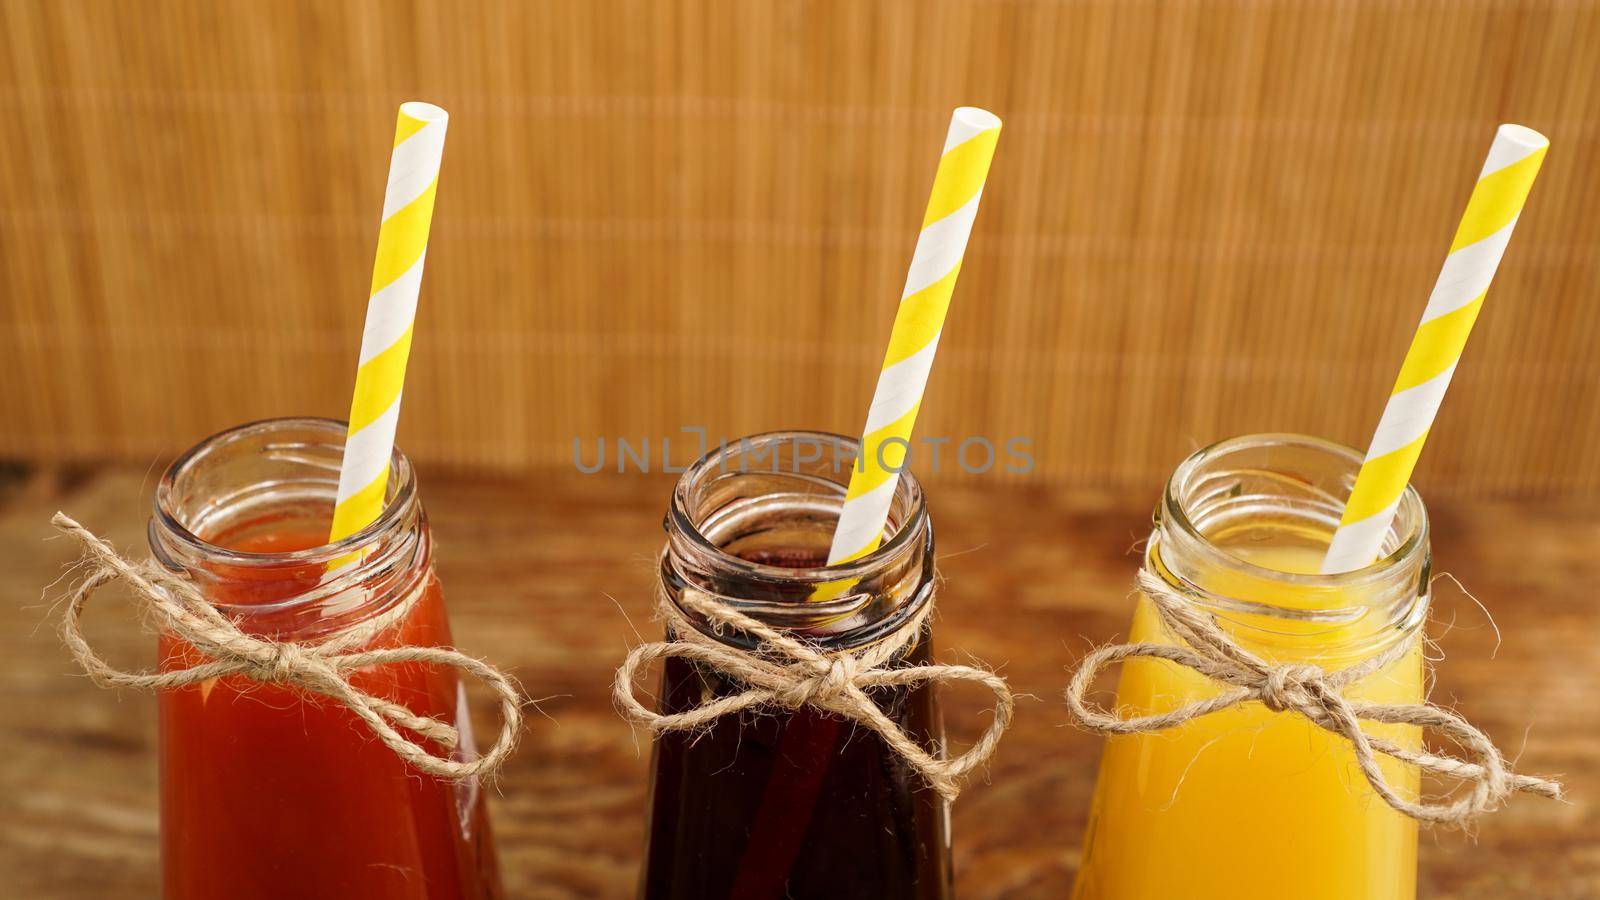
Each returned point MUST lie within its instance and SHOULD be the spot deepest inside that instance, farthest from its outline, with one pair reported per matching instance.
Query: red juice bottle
(267, 792)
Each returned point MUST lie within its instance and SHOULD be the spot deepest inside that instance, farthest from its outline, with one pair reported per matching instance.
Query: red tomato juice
(270, 793)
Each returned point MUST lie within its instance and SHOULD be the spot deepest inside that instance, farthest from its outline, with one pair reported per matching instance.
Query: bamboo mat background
(1204, 219)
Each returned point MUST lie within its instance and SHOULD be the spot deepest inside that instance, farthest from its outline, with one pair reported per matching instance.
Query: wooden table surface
(548, 577)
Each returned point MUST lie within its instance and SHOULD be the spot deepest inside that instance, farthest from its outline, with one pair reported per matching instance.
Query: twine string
(1316, 695)
(177, 608)
(787, 672)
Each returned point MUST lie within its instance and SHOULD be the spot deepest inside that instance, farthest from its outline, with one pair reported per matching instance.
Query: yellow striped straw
(391, 309)
(957, 187)
(1481, 240)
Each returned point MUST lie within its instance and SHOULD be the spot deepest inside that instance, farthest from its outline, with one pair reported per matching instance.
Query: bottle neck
(1242, 528)
(245, 516)
(751, 523)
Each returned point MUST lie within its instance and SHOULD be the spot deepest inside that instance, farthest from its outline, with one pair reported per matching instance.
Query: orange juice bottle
(1247, 802)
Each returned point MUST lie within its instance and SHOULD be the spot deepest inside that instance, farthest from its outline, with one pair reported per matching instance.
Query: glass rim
(401, 475)
(1415, 542)
(908, 488)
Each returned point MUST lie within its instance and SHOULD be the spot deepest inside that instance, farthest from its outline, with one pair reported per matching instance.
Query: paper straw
(1481, 240)
(391, 309)
(957, 186)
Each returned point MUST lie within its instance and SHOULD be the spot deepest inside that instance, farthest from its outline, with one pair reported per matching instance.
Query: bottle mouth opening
(1286, 486)
(751, 524)
(262, 483)
(279, 469)
(1243, 526)
(720, 500)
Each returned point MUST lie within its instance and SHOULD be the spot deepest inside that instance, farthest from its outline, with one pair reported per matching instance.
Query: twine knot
(1290, 687)
(1314, 694)
(791, 673)
(833, 680)
(320, 669)
(275, 662)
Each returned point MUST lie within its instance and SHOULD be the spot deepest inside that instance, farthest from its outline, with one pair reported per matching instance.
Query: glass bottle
(267, 792)
(778, 803)
(1250, 803)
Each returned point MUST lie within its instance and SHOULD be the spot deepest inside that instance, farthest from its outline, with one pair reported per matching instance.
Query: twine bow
(179, 609)
(791, 673)
(1313, 693)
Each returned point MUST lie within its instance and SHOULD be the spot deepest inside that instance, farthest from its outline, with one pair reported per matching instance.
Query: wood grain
(1204, 219)
(549, 577)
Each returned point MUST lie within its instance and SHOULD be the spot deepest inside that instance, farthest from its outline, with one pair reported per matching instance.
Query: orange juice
(1249, 803)
(1246, 802)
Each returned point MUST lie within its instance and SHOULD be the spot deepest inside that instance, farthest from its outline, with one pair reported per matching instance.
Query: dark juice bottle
(267, 791)
(792, 803)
